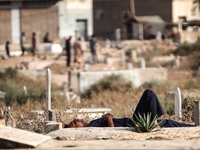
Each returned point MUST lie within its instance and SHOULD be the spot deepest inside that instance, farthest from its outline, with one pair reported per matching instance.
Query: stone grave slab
(17, 138)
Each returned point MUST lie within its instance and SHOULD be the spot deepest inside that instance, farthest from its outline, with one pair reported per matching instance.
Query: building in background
(60, 18)
(109, 15)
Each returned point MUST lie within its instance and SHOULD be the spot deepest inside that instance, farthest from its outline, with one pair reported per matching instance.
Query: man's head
(76, 123)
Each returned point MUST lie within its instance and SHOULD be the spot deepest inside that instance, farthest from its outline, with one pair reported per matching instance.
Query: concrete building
(60, 18)
(106, 21)
(184, 9)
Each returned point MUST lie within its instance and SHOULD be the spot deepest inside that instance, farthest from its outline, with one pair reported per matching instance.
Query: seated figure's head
(76, 123)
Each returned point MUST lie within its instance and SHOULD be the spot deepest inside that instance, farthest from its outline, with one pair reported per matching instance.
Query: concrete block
(52, 126)
(35, 114)
(17, 138)
(52, 115)
(92, 113)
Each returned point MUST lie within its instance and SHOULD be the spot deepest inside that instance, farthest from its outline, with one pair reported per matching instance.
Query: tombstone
(118, 37)
(134, 55)
(107, 43)
(122, 56)
(142, 63)
(178, 109)
(177, 61)
(25, 90)
(118, 34)
(86, 67)
(108, 61)
(159, 37)
(180, 27)
(48, 93)
(197, 112)
(129, 66)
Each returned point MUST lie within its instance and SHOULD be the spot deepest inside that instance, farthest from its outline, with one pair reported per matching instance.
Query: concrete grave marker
(17, 138)
(48, 93)
(197, 112)
(159, 36)
(129, 66)
(178, 114)
(142, 63)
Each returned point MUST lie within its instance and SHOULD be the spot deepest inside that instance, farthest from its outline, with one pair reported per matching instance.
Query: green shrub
(153, 84)
(8, 73)
(187, 49)
(191, 84)
(188, 109)
(112, 83)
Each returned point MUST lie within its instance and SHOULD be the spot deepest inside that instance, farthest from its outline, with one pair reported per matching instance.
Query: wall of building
(111, 14)
(184, 8)
(72, 10)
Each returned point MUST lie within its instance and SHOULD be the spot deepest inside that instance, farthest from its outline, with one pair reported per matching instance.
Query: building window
(193, 11)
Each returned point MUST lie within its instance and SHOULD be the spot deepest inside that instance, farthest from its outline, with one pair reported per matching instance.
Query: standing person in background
(8, 48)
(93, 47)
(46, 38)
(23, 41)
(68, 50)
(78, 52)
(33, 43)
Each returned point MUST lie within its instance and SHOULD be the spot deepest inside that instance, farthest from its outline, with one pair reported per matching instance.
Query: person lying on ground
(148, 103)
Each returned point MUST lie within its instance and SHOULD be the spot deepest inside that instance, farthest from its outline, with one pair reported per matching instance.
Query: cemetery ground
(31, 73)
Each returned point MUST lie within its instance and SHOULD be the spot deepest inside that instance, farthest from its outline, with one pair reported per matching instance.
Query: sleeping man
(148, 103)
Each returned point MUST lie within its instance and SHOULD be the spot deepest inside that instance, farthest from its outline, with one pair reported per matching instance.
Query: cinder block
(52, 126)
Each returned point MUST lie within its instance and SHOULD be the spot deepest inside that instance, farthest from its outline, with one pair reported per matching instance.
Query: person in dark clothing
(148, 103)
(68, 50)
(22, 42)
(46, 38)
(93, 47)
(33, 43)
(8, 48)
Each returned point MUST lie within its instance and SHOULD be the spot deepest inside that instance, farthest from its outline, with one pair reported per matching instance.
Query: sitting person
(148, 103)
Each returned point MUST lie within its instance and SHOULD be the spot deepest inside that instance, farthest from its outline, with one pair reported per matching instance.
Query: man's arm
(109, 118)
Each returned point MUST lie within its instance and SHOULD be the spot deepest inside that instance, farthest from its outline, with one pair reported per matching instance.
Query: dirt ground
(60, 72)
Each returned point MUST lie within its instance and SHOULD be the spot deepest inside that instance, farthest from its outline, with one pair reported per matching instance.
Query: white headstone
(159, 36)
(122, 57)
(129, 66)
(142, 63)
(48, 93)
(178, 109)
(108, 61)
(180, 27)
(134, 55)
(86, 67)
(25, 90)
(177, 62)
(108, 43)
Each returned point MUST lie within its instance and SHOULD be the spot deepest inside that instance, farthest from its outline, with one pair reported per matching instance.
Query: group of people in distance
(148, 103)
(78, 50)
(23, 43)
